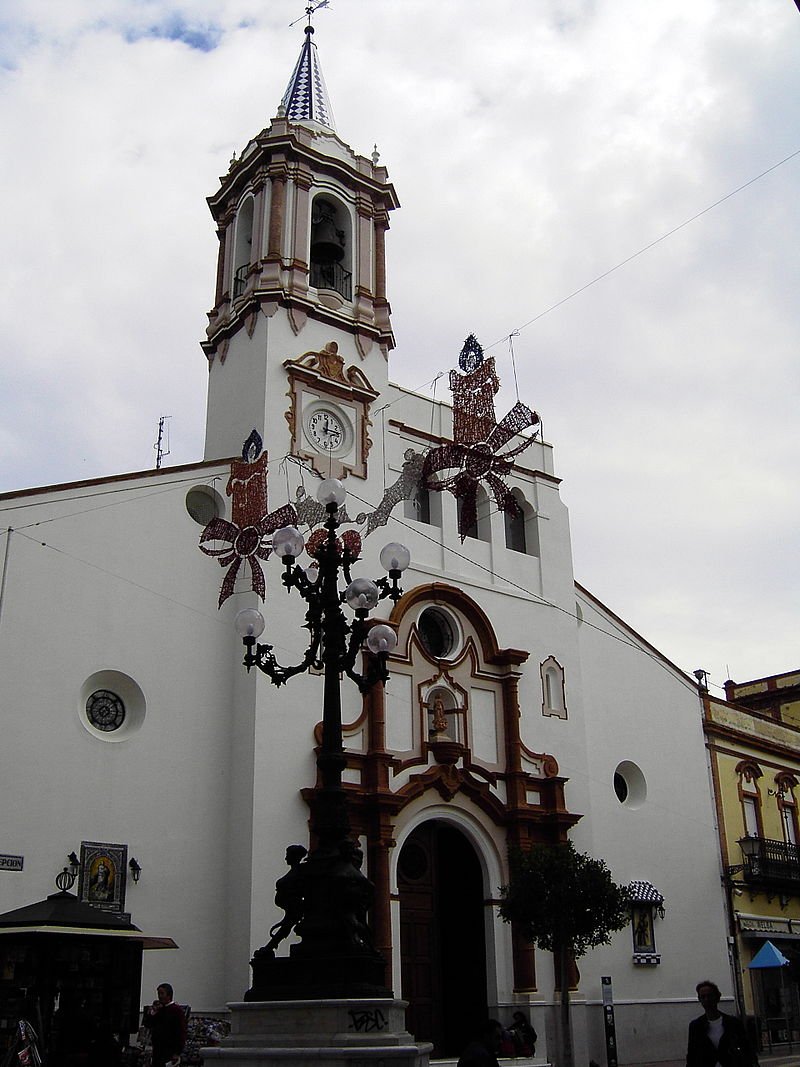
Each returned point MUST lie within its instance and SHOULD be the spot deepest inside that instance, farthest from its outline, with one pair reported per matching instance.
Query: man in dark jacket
(166, 1022)
(717, 1039)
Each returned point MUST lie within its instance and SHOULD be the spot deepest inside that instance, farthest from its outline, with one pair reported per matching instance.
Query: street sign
(608, 1022)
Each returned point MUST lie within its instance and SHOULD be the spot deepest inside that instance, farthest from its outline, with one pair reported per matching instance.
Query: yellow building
(753, 740)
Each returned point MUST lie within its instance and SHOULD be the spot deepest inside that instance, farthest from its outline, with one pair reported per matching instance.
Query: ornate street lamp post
(325, 896)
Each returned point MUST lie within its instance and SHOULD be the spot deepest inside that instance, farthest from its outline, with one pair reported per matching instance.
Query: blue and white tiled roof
(645, 893)
(306, 97)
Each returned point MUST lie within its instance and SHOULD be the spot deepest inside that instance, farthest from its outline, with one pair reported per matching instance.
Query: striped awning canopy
(645, 893)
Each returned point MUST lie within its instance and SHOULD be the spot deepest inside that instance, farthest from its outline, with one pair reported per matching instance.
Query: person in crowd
(717, 1039)
(166, 1022)
(482, 1051)
(523, 1034)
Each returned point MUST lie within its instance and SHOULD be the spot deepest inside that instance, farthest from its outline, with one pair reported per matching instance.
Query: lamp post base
(321, 977)
(301, 1033)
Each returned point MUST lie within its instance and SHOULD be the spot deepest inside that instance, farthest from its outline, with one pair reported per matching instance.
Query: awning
(767, 956)
(775, 926)
(646, 893)
(147, 940)
(63, 913)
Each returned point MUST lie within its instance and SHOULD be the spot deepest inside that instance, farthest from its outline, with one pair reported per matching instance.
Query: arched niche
(243, 245)
(521, 530)
(330, 252)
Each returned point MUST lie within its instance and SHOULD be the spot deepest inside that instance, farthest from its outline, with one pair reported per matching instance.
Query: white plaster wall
(250, 388)
(121, 585)
(640, 709)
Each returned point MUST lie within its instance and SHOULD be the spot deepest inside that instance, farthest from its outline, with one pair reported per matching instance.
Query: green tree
(566, 903)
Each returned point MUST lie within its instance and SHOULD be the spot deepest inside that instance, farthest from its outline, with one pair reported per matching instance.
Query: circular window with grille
(105, 710)
(111, 705)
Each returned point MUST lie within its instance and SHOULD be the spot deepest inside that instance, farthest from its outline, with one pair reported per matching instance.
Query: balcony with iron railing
(332, 276)
(323, 276)
(770, 863)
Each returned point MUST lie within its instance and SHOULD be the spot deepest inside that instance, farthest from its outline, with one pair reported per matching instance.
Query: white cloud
(533, 147)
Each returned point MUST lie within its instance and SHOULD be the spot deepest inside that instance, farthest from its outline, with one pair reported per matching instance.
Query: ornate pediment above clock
(329, 412)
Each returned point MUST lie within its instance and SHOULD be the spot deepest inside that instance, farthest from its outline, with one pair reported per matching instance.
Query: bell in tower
(328, 250)
(327, 243)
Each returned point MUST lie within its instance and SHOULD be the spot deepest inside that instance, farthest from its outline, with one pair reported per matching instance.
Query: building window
(515, 531)
(204, 504)
(784, 789)
(111, 706)
(553, 689)
(105, 710)
(521, 531)
(749, 773)
(418, 505)
(630, 785)
(481, 529)
(438, 632)
(750, 809)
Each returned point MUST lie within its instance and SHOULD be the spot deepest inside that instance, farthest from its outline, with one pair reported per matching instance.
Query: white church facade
(519, 709)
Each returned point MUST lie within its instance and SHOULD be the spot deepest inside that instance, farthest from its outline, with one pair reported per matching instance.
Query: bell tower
(301, 220)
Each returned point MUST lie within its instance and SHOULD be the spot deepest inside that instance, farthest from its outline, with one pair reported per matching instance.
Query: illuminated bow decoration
(459, 468)
(248, 544)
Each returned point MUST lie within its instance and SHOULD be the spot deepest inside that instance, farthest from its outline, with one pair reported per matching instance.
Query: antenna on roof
(312, 7)
(161, 451)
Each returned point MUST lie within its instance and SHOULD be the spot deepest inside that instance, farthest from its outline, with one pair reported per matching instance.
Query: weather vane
(310, 9)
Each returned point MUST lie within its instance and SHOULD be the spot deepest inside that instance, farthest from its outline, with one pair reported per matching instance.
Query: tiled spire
(306, 96)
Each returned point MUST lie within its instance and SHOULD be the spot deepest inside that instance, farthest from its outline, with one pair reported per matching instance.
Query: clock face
(326, 430)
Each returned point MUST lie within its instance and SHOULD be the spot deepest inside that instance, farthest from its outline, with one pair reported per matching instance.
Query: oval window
(438, 633)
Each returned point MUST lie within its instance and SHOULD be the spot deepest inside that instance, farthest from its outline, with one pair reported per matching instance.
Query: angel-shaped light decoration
(246, 536)
(474, 455)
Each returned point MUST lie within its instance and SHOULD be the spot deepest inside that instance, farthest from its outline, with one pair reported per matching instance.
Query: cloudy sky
(535, 145)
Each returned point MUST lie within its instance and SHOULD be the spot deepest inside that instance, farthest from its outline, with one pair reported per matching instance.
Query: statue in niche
(439, 723)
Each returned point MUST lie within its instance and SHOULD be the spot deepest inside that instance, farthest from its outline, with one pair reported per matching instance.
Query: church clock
(329, 412)
(328, 429)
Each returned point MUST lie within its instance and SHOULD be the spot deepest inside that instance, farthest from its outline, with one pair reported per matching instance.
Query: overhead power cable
(646, 248)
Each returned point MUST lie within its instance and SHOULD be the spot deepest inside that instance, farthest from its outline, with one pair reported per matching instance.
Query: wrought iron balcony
(332, 276)
(774, 863)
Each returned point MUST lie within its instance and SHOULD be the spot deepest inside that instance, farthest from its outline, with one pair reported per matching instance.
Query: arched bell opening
(521, 532)
(481, 528)
(330, 250)
(243, 247)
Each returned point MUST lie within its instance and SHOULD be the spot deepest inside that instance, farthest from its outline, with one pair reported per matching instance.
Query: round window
(204, 504)
(438, 633)
(630, 785)
(105, 710)
(111, 706)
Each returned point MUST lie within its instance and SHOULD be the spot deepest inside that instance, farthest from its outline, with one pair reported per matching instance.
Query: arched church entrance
(442, 936)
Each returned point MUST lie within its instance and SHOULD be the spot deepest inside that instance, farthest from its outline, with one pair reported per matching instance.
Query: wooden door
(442, 936)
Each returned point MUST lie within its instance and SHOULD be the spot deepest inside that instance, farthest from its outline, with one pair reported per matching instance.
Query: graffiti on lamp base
(367, 1020)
